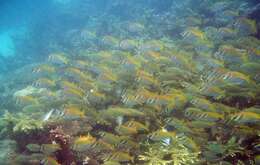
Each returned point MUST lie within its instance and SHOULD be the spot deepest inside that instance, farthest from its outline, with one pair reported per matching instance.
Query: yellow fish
(245, 117)
(162, 134)
(73, 112)
(26, 100)
(45, 83)
(124, 130)
(50, 161)
(118, 156)
(83, 143)
(44, 68)
(58, 58)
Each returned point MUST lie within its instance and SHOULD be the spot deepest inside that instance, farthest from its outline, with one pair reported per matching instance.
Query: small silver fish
(166, 141)
(53, 112)
(119, 120)
(48, 115)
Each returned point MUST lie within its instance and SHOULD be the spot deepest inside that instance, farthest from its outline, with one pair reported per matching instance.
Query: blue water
(7, 45)
(16, 17)
(129, 82)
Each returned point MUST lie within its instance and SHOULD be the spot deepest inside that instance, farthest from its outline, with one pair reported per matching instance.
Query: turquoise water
(7, 46)
(138, 82)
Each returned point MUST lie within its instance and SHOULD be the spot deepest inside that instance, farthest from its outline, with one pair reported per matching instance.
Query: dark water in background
(143, 37)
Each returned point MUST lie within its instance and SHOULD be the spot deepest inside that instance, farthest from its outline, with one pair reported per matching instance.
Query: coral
(20, 123)
(216, 151)
(154, 156)
(169, 152)
(27, 125)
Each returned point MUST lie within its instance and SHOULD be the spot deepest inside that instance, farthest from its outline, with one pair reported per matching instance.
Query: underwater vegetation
(154, 85)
